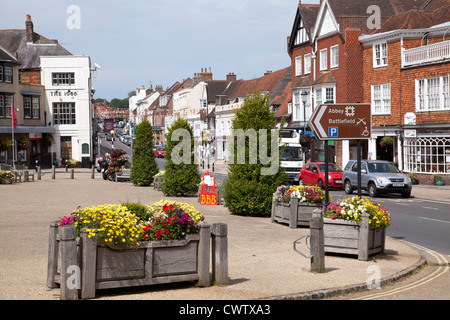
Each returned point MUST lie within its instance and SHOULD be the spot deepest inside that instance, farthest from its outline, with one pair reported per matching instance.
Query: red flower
(167, 231)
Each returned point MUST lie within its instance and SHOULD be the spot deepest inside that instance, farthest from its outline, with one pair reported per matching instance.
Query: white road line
(431, 208)
(424, 218)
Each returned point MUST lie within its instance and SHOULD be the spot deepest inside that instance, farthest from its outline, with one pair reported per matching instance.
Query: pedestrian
(107, 157)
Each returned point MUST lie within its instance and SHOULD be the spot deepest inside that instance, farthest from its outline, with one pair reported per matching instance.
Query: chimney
(206, 75)
(29, 29)
(267, 73)
(231, 77)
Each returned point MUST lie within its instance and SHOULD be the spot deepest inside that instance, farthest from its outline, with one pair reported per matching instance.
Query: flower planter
(439, 183)
(415, 182)
(6, 181)
(149, 263)
(353, 238)
(294, 213)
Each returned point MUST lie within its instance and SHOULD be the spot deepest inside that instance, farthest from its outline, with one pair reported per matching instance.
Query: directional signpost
(342, 122)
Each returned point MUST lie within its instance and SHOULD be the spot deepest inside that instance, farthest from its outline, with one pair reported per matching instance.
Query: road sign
(342, 121)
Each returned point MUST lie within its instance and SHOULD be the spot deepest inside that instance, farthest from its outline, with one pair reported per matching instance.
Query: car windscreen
(331, 168)
(383, 168)
(292, 154)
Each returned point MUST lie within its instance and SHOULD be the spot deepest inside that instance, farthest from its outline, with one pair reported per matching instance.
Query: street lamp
(112, 141)
(304, 100)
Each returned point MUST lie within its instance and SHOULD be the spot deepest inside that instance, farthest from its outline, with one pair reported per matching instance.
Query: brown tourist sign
(342, 121)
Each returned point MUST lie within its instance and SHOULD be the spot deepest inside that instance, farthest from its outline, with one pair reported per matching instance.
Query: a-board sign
(342, 121)
(208, 193)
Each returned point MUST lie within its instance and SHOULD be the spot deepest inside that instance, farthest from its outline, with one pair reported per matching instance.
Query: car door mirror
(363, 171)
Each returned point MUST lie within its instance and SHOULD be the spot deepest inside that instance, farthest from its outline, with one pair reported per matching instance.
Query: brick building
(406, 79)
(327, 62)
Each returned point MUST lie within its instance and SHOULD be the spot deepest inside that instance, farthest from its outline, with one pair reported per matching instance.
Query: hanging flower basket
(387, 141)
(23, 144)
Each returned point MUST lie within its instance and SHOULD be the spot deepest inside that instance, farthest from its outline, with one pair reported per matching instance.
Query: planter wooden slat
(295, 213)
(149, 263)
(354, 238)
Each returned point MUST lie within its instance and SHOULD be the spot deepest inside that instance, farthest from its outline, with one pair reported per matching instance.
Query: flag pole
(13, 120)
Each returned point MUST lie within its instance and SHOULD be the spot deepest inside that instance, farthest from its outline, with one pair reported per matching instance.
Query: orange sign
(208, 194)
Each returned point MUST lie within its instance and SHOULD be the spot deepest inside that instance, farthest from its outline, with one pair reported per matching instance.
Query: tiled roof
(29, 53)
(5, 56)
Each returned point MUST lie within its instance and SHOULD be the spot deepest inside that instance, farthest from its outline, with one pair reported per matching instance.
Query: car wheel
(320, 184)
(348, 187)
(373, 190)
(406, 194)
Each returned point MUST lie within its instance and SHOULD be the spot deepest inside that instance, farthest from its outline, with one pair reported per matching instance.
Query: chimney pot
(29, 29)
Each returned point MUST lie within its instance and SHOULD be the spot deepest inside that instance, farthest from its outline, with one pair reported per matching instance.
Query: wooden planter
(354, 238)
(6, 181)
(293, 213)
(149, 263)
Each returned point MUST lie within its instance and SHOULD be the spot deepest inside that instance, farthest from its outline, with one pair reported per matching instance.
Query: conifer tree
(180, 179)
(247, 191)
(144, 166)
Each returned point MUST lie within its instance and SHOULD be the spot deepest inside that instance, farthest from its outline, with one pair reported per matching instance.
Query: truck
(292, 157)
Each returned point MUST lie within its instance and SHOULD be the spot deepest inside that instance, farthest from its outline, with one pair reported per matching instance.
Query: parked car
(160, 152)
(124, 138)
(109, 136)
(313, 173)
(377, 177)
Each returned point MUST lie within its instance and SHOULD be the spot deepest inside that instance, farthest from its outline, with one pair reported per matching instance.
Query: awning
(29, 129)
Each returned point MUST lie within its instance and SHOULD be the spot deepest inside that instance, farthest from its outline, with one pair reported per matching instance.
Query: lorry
(292, 157)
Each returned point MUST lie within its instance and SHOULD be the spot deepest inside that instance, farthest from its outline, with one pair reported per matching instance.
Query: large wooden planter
(354, 238)
(149, 263)
(293, 213)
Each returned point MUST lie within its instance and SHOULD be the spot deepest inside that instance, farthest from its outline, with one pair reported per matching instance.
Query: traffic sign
(342, 121)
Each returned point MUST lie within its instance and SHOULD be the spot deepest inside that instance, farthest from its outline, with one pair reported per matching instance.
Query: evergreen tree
(247, 191)
(180, 179)
(144, 165)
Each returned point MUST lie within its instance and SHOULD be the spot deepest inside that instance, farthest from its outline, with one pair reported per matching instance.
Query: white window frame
(324, 62)
(427, 154)
(381, 99)
(298, 66)
(334, 57)
(431, 97)
(322, 93)
(381, 60)
(307, 61)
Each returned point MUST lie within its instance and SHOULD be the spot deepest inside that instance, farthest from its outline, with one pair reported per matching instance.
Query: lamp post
(112, 141)
(304, 100)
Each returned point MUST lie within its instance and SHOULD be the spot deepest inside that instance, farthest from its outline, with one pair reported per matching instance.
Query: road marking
(430, 208)
(441, 270)
(434, 219)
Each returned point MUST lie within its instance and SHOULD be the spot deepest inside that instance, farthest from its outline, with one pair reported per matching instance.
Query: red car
(160, 152)
(313, 174)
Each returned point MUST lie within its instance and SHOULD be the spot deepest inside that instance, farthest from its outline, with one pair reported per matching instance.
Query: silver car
(377, 177)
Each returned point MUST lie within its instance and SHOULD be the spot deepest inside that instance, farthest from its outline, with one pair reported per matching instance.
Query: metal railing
(426, 54)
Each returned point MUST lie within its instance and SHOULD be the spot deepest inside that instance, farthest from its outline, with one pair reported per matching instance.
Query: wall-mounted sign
(410, 119)
(35, 136)
(410, 133)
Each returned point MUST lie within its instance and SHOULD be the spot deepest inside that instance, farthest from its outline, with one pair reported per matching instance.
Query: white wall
(80, 93)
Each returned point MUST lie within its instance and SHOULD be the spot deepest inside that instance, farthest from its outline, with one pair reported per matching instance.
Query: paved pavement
(262, 262)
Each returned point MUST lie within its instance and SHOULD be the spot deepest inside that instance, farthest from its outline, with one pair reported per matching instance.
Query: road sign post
(343, 121)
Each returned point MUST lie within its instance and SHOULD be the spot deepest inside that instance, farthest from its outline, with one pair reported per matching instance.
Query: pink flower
(333, 217)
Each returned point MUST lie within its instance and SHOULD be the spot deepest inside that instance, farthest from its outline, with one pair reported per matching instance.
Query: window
(329, 94)
(381, 98)
(302, 34)
(298, 66)
(432, 94)
(31, 107)
(325, 95)
(1, 73)
(334, 52)
(6, 102)
(380, 55)
(307, 64)
(427, 154)
(299, 108)
(323, 59)
(64, 113)
(63, 79)
(8, 74)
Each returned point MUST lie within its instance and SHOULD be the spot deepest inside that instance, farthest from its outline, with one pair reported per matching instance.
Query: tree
(144, 166)
(248, 190)
(180, 179)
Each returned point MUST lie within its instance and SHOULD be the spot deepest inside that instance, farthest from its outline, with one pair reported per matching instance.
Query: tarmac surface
(262, 262)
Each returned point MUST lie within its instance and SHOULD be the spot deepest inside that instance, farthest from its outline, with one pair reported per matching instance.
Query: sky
(160, 42)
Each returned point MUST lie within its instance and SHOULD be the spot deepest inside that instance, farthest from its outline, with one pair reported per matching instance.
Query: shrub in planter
(144, 164)
(438, 180)
(118, 160)
(305, 194)
(180, 179)
(414, 178)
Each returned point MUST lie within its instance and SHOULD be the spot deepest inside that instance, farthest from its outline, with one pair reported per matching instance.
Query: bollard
(317, 242)
(93, 173)
(53, 173)
(204, 255)
(52, 255)
(72, 174)
(68, 249)
(220, 253)
(39, 173)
